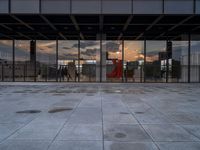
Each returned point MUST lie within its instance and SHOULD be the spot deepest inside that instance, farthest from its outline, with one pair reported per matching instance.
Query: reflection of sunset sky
(133, 50)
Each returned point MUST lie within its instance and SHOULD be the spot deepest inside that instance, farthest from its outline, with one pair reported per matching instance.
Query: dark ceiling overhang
(86, 27)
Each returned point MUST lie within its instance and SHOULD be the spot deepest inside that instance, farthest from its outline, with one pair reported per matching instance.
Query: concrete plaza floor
(69, 116)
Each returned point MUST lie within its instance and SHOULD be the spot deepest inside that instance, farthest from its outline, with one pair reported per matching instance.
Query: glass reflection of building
(89, 61)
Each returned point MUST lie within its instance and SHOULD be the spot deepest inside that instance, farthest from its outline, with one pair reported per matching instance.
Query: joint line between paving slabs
(64, 125)
(100, 90)
(142, 126)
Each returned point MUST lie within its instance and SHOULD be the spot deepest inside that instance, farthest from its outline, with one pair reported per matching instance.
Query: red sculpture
(117, 71)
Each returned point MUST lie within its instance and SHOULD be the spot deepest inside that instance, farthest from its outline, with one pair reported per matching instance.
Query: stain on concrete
(120, 135)
(28, 111)
(61, 109)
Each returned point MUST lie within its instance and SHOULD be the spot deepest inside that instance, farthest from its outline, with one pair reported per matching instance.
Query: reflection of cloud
(85, 44)
(112, 46)
(89, 52)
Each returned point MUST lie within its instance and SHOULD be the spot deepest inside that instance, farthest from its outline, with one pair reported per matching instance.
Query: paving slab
(77, 145)
(125, 133)
(129, 146)
(169, 132)
(179, 145)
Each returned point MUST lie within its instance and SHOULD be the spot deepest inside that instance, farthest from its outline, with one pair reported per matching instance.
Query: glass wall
(155, 67)
(178, 66)
(134, 61)
(46, 62)
(195, 59)
(6, 60)
(24, 65)
(93, 61)
(114, 66)
(68, 60)
(89, 61)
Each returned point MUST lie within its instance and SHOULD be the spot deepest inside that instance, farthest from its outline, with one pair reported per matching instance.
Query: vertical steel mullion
(2, 73)
(9, 6)
(13, 68)
(56, 60)
(122, 60)
(145, 59)
(189, 50)
(163, 6)
(79, 73)
(35, 60)
(167, 62)
(100, 58)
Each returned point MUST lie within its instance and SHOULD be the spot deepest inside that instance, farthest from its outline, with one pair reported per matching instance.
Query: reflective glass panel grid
(178, 64)
(6, 60)
(195, 59)
(89, 61)
(133, 61)
(68, 61)
(46, 65)
(24, 65)
(156, 61)
(114, 62)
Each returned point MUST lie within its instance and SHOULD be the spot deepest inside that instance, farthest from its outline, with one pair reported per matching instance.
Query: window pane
(178, 66)
(24, 65)
(198, 6)
(4, 6)
(6, 57)
(147, 6)
(25, 6)
(68, 60)
(179, 6)
(114, 70)
(195, 59)
(46, 61)
(55, 6)
(86, 6)
(133, 61)
(89, 61)
(117, 7)
(155, 69)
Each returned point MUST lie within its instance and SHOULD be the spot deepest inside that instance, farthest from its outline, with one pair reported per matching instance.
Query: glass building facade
(132, 41)
(101, 61)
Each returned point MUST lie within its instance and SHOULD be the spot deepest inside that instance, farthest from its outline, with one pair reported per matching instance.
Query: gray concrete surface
(99, 116)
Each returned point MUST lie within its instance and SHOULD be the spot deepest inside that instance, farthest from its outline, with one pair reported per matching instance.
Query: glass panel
(6, 60)
(114, 70)
(198, 6)
(46, 61)
(24, 66)
(179, 6)
(133, 61)
(4, 6)
(89, 60)
(178, 64)
(86, 6)
(68, 60)
(55, 6)
(25, 6)
(195, 59)
(155, 69)
(117, 7)
(147, 6)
